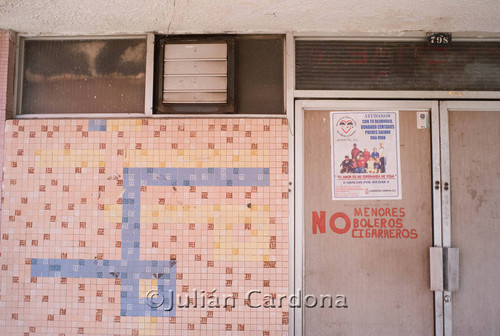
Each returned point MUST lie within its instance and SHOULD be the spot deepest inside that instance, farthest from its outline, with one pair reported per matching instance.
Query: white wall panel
(208, 16)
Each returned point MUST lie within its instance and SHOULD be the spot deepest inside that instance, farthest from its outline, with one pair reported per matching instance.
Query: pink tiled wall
(100, 214)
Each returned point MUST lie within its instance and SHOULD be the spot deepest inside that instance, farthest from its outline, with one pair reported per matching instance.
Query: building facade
(261, 169)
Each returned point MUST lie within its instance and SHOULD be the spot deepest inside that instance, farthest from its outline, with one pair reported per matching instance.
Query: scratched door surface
(383, 279)
(475, 225)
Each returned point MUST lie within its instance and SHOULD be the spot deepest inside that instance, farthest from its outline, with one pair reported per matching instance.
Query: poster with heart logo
(365, 155)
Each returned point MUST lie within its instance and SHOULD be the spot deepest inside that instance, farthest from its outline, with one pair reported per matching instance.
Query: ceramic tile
(107, 222)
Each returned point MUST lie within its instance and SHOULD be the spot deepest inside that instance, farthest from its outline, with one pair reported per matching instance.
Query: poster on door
(365, 155)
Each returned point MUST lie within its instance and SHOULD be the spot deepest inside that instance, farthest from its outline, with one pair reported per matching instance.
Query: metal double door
(434, 270)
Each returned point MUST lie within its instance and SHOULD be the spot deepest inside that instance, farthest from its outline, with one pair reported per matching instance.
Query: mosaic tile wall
(106, 221)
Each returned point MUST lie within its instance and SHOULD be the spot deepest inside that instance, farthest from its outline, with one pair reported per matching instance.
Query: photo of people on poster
(364, 162)
(365, 155)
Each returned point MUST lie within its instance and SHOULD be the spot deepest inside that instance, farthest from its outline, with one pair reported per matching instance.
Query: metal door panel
(471, 208)
(385, 281)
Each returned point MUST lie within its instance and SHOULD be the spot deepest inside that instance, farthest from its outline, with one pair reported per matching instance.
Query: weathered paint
(208, 16)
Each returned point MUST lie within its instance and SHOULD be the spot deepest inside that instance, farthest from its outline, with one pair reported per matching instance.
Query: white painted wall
(394, 17)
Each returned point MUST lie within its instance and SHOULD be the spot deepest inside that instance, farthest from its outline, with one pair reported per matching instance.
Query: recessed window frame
(159, 107)
(148, 79)
(396, 93)
(261, 37)
(151, 79)
(217, 109)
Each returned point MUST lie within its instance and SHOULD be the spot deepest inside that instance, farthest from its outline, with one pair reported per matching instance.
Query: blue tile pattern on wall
(97, 125)
(130, 269)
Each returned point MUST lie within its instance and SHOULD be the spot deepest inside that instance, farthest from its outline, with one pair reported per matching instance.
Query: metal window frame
(149, 93)
(148, 37)
(394, 94)
(224, 110)
(301, 106)
(288, 42)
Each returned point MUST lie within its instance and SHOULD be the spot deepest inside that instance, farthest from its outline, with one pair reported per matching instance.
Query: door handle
(444, 268)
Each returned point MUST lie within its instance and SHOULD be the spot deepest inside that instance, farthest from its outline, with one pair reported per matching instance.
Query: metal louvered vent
(195, 73)
(344, 65)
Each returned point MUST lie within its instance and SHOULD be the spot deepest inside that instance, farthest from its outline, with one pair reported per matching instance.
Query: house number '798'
(439, 39)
